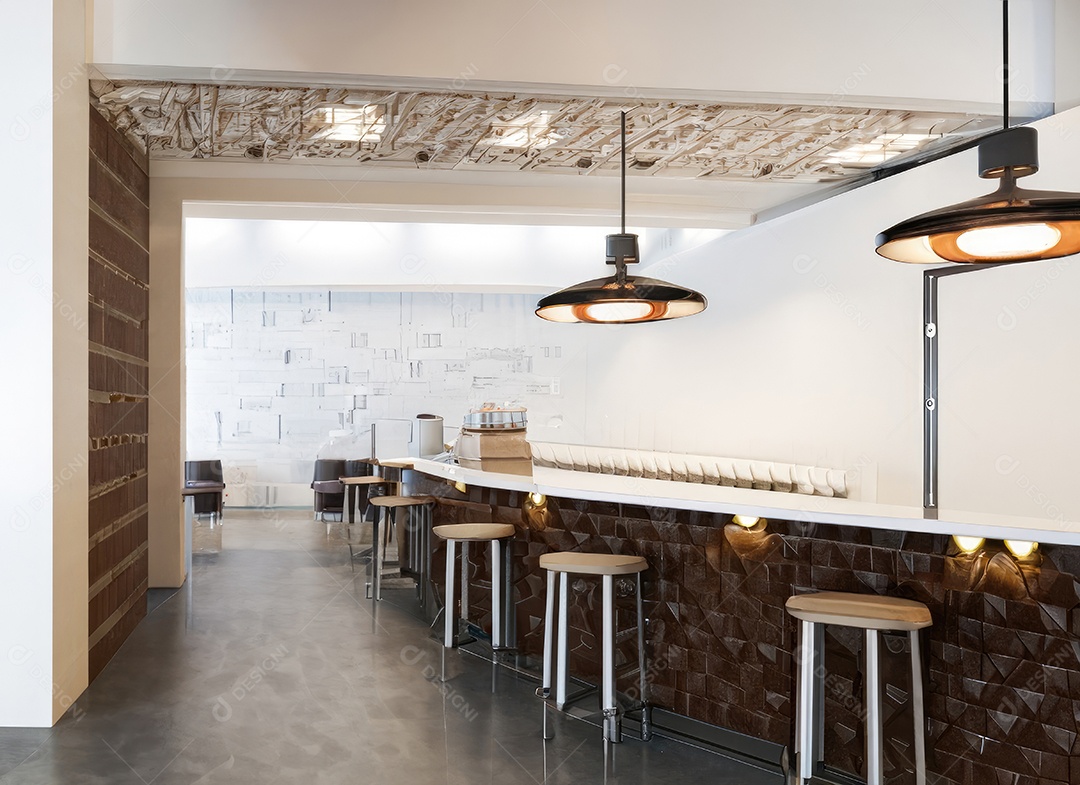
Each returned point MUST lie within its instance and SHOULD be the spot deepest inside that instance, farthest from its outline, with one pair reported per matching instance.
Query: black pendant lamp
(621, 298)
(1012, 224)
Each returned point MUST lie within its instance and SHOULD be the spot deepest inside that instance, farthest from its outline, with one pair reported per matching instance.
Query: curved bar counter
(1003, 651)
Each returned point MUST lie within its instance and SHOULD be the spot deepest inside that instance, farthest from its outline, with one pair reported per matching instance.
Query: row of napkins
(680, 467)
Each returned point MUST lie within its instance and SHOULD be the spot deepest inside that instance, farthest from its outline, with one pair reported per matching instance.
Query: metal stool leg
(549, 639)
(464, 581)
(646, 711)
(564, 647)
(496, 594)
(373, 565)
(386, 521)
(918, 707)
(612, 730)
(874, 746)
(808, 700)
(450, 618)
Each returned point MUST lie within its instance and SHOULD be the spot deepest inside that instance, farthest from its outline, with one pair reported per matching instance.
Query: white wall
(272, 373)
(43, 510)
(911, 54)
(811, 351)
(398, 256)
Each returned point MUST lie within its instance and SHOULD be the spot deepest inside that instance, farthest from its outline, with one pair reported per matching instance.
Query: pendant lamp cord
(623, 145)
(1005, 60)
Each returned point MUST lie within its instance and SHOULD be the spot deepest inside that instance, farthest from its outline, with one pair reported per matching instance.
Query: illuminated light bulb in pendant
(1008, 242)
(618, 311)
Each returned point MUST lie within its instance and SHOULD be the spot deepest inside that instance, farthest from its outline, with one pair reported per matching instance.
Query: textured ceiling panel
(463, 131)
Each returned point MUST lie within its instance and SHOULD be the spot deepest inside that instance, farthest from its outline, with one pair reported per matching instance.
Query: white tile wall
(271, 373)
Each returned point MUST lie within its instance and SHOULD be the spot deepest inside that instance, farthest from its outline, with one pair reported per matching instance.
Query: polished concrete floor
(272, 670)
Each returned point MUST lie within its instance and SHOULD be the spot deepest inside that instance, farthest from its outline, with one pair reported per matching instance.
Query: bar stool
(386, 508)
(368, 483)
(873, 614)
(606, 566)
(466, 533)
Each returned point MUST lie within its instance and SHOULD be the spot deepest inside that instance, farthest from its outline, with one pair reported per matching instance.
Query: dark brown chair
(206, 474)
(329, 490)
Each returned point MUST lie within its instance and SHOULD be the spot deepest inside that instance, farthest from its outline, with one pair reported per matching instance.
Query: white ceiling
(907, 59)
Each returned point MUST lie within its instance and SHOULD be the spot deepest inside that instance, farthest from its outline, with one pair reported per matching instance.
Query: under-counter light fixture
(747, 521)
(537, 498)
(968, 544)
(1011, 224)
(621, 298)
(1021, 549)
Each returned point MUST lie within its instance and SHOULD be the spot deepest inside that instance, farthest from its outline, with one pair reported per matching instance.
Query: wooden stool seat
(367, 480)
(864, 611)
(401, 501)
(593, 563)
(474, 532)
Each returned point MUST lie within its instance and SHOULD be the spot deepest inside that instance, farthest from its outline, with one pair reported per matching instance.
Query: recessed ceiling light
(879, 150)
(532, 131)
(364, 123)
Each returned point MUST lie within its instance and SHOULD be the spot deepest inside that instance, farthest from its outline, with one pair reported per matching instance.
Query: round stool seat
(366, 480)
(593, 563)
(401, 501)
(474, 532)
(865, 611)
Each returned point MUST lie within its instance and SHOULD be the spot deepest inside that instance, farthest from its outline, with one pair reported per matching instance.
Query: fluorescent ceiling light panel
(365, 123)
(879, 150)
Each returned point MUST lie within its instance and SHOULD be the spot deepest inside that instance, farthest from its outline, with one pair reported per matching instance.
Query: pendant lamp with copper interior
(1012, 224)
(621, 298)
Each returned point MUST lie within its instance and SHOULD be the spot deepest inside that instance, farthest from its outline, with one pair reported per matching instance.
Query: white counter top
(763, 504)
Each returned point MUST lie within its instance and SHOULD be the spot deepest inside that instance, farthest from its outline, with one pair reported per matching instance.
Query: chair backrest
(328, 469)
(358, 468)
(203, 470)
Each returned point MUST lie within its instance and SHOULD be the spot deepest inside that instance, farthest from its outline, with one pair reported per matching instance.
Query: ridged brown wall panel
(124, 253)
(114, 199)
(114, 505)
(119, 298)
(111, 376)
(118, 291)
(113, 419)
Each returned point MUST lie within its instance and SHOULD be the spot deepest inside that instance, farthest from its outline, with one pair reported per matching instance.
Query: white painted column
(43, 274)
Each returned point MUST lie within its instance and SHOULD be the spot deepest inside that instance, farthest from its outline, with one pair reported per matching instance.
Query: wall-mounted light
(535, 510)
(461, 487)
(749, 521)
(1022, 549)
(968, 544)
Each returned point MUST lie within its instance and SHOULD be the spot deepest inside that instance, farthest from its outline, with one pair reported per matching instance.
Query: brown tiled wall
(119, 302)
(1003, 654)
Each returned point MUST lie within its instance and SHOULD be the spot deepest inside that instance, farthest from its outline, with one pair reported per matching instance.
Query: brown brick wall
(119, 309)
